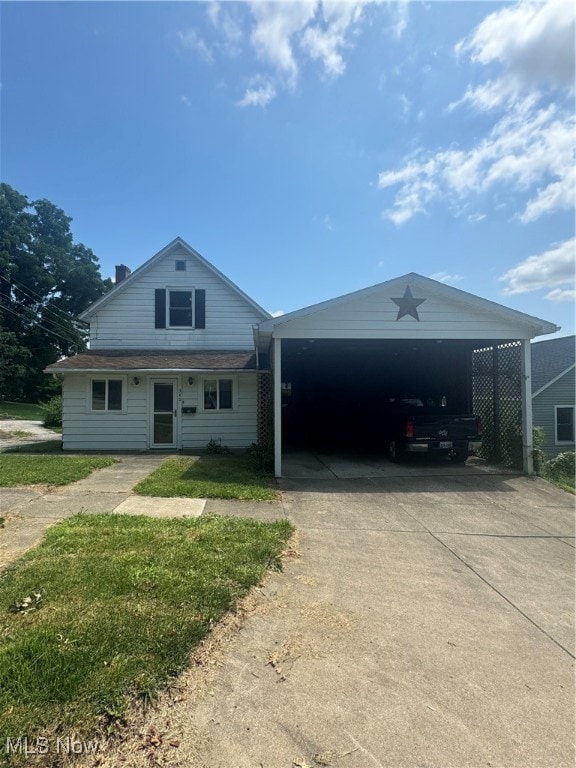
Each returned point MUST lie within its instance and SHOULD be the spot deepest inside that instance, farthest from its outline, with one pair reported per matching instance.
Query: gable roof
(178, 242)
(440, 290)
(551, 359)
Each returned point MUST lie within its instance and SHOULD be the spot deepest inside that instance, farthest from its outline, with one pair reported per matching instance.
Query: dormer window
(180, 265)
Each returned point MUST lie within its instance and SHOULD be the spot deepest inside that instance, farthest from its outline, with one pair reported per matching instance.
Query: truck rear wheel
(393, 451)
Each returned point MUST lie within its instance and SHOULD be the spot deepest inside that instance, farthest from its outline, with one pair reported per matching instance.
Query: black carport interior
(334, 390)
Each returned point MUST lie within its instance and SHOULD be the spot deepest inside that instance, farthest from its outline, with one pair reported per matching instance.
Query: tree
(46, 281)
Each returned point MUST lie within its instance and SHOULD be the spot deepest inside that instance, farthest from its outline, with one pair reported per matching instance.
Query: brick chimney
(122, 272)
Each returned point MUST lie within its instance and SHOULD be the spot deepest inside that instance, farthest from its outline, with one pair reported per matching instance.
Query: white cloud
(186, 101)
(285, 35)
(399, 13)
(259, 94)
(276, 25)
(558, 294)
(278, 313)
(534, 42)
(325, 40)
(328, 223)
(191, 40)
(228, 25)
(530, 148)
(556, 196)
(553, 269)
(527, 148)
(445, 277)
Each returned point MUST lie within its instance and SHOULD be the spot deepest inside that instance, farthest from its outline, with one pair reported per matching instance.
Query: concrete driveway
(427, 622)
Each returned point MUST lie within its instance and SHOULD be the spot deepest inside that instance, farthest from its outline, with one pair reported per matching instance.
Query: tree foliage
(46, 281)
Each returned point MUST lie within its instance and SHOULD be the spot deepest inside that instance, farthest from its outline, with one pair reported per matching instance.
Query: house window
(179, 307)
(107, 394)
(180, 265)
(218, 394)
(564, 424)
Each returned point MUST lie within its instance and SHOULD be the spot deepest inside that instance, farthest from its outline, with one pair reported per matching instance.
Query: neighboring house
(553, 392)
(179, 356)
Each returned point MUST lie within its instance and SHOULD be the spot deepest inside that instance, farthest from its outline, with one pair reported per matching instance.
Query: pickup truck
(425, 426)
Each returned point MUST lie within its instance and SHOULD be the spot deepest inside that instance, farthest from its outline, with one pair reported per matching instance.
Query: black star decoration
(408, 304)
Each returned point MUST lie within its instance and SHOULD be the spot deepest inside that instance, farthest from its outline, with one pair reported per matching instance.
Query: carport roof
(408, 306)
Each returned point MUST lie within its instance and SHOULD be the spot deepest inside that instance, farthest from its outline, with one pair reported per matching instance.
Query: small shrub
(215, 446)
(52, 411)
(561, 466)
(538, 440)
(262, 457)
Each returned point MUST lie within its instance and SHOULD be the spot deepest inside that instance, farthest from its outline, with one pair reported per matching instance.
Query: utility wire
(37, 317)
(56, 322)
(68, 340)
(34, 296)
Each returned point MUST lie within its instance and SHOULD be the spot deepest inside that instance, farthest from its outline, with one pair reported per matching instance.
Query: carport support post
(277, 369)
(527, 440)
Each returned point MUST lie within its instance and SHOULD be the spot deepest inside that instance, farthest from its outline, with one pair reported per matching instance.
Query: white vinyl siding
(84, 430)
(374, 316)
(127, 321)
(235, 428)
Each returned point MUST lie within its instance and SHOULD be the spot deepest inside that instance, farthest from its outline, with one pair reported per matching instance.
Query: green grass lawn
(21, 411)
(209, 476)
(21, 469)
(118, 602)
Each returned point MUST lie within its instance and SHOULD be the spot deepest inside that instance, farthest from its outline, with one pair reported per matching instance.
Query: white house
(171, 364)
(179, 355)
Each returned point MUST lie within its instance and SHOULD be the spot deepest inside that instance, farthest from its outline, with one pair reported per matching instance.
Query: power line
(37, 318)
(34, 296)
(68, 340)
(56, 322)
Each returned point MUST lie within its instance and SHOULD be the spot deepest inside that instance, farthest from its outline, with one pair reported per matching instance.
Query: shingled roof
(157, 360)
(550, 359)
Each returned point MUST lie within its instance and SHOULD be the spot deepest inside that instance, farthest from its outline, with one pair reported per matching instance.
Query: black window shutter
(200, 308)
(160, 308)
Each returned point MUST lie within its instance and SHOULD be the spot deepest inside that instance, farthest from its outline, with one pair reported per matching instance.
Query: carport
(333, 363)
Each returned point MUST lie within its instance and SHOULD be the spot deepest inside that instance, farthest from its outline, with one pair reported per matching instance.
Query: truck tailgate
(445, 427)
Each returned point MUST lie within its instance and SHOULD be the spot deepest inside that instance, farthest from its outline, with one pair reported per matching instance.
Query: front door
(164, 414)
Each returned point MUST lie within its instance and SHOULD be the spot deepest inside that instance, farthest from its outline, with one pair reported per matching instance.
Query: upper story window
(178, 308)
(180, 265)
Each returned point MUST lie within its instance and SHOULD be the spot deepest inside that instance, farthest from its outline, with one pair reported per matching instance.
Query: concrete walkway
(428, 622)
(15, 432)
(28, 512)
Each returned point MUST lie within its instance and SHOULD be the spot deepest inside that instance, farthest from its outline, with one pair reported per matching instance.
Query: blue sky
(305, 149)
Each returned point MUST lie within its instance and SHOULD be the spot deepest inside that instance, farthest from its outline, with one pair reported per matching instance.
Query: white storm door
(164, 414)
